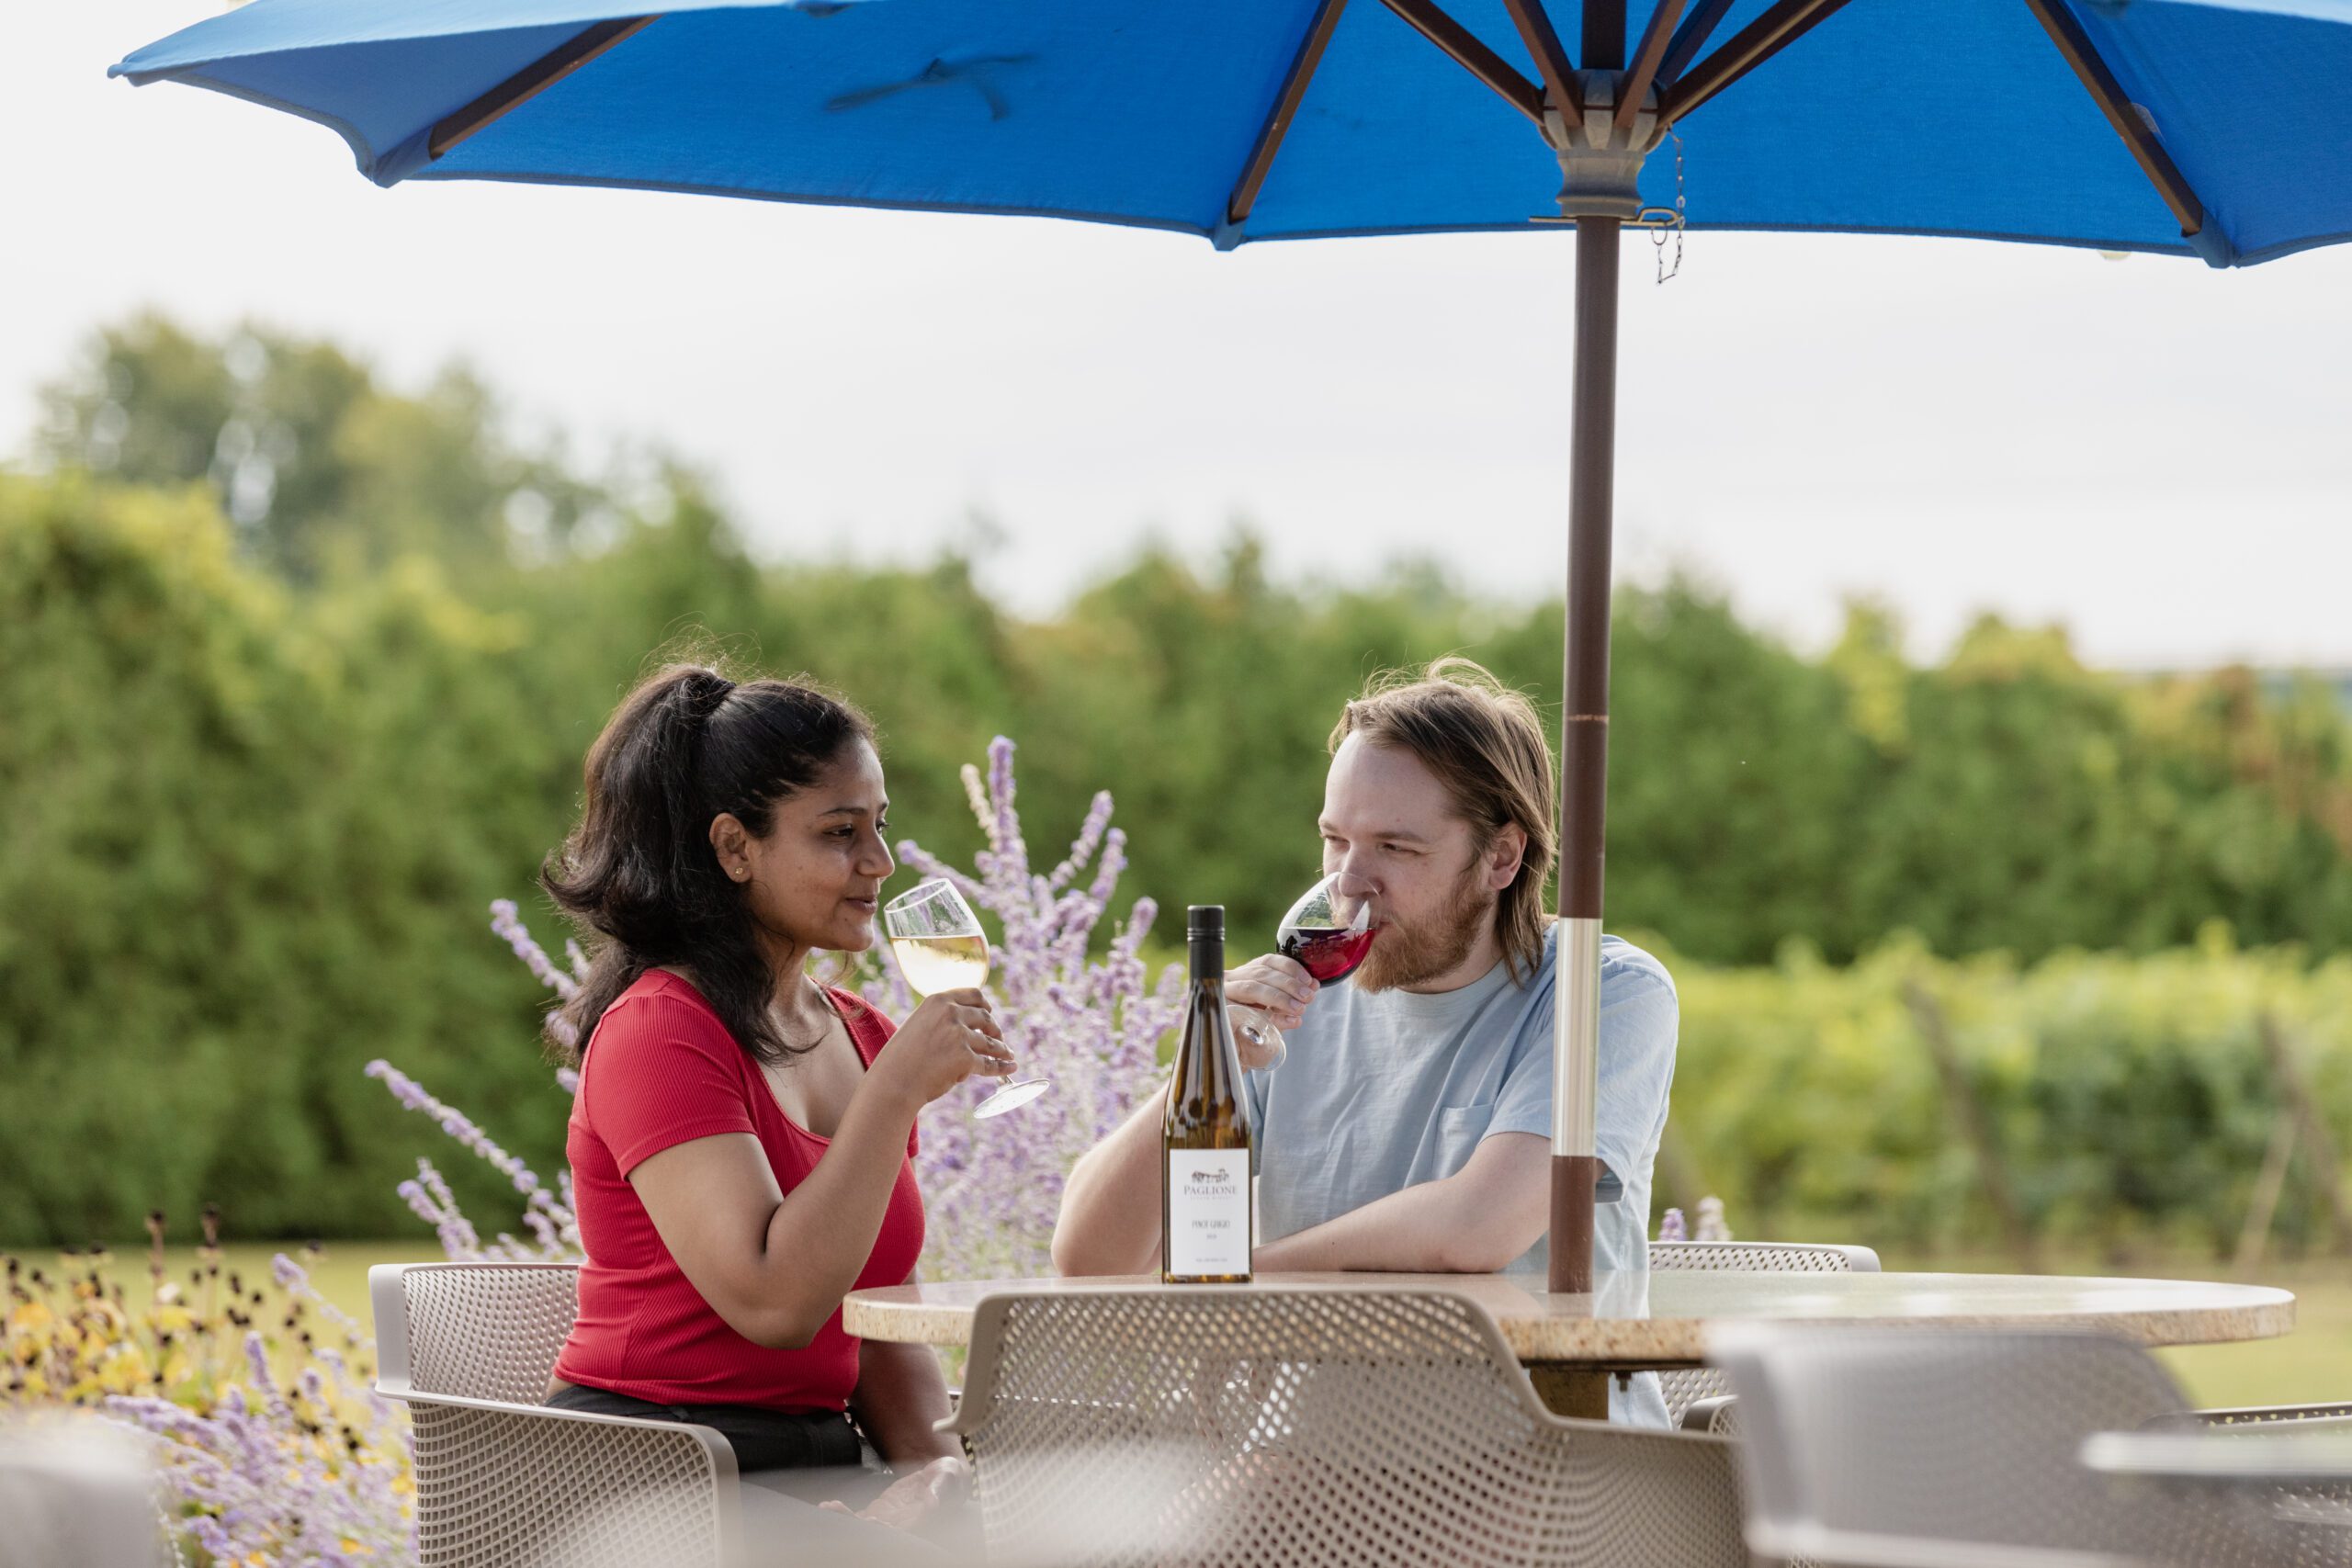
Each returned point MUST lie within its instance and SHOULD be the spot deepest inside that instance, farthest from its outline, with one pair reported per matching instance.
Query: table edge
(1659, 1341)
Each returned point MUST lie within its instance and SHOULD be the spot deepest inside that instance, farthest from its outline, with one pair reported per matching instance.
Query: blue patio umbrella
(2214, 129)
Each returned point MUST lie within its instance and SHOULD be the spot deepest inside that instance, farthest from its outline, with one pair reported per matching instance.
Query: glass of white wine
(940, 947)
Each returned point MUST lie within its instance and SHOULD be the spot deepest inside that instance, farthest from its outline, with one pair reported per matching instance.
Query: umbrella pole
(1584, 756)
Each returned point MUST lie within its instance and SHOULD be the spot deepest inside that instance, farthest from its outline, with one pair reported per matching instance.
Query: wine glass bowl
(1327, 933)
(939, 945)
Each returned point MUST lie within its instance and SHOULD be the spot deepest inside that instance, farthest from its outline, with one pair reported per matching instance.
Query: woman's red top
(659, 1070)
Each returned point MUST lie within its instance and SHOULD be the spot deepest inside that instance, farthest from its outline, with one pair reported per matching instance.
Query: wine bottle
(1207, 1227)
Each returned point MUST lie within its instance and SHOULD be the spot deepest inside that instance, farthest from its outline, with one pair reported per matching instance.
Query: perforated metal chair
(502, 1480)
(1697, 1397)
(1310, 1427)
(1915, 1447)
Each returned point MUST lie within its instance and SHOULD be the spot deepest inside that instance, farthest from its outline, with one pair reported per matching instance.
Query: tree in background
(322, 471)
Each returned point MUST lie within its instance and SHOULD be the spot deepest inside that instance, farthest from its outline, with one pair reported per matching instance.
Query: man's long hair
(1485, 743)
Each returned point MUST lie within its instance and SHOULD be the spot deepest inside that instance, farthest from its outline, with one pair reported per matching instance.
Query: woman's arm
(774, 1265)
(1110, 1217)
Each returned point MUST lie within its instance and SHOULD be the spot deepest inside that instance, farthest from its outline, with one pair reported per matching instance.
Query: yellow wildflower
(127, 1372)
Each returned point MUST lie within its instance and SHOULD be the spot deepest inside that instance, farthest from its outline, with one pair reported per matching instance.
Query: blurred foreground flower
(253, 1399)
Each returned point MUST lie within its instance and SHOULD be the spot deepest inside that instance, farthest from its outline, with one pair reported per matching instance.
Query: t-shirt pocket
(1460, 1130)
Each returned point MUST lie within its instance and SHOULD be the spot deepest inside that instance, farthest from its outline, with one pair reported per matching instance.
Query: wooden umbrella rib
(1692, 37)
(532, 79)
(2107, 93)
(1604, 35)
(1425, 18)
(1647, 58)
(1552, 62)
(1753, 44)
(1278, 118)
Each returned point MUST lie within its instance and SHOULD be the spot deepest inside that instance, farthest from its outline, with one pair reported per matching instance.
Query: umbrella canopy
(2213, 128)
(1957, 117)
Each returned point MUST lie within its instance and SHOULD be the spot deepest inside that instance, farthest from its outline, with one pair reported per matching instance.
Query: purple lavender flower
(1670, 1227)
(507, 921)
(431, 1197)
(1093, 1025)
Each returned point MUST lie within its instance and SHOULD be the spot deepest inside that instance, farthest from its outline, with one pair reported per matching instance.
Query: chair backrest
(1688, 1386)
(1308, 1427)
(1763, 1257)
(476, 1330)
(1952, 1436)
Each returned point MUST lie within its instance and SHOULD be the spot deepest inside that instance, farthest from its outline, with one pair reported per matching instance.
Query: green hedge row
(2130, 1100)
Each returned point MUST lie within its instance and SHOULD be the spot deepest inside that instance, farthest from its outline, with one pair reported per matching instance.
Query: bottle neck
(1207, 961)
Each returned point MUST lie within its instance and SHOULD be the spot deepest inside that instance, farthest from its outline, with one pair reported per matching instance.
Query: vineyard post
(1975, 1124)
(2255, 1235)
(2319, 1147)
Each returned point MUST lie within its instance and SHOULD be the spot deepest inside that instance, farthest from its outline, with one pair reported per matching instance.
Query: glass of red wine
(1326, 934)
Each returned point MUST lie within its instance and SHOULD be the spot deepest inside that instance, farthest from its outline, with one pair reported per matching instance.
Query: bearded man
(1406, 1127)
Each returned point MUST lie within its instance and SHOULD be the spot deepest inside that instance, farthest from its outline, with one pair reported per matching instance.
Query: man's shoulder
(1625, 970)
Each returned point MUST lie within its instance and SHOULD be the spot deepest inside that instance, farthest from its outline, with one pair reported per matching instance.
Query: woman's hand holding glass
(939, 946)
(951, 1037)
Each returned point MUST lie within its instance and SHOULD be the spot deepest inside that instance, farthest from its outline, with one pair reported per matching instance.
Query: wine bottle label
(1208, 1211)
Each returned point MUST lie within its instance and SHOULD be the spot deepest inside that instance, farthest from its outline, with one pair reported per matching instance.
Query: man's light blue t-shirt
(1379, 1092)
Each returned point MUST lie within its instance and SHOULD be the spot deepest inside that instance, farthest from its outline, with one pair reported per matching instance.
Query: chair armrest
(611, 1487)
(1719, 1416)
(2252, 1415)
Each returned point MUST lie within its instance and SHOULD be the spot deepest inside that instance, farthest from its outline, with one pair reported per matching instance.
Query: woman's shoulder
(660, 1007)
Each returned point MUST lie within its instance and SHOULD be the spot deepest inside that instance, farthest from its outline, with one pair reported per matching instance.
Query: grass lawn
(340, 1273)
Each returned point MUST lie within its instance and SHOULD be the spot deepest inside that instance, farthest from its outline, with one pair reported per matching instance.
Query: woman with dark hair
(741, 1140)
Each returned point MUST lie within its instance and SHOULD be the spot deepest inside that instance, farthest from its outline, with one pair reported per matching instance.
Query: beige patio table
(1572, 1344)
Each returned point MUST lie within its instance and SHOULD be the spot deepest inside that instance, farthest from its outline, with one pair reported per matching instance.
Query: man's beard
(1415, 955)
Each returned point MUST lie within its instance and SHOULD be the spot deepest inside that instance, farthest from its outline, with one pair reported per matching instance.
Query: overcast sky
(2152, 452)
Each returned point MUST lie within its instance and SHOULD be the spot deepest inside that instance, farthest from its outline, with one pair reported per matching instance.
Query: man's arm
(1109, 1218)
(1475, 1221)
